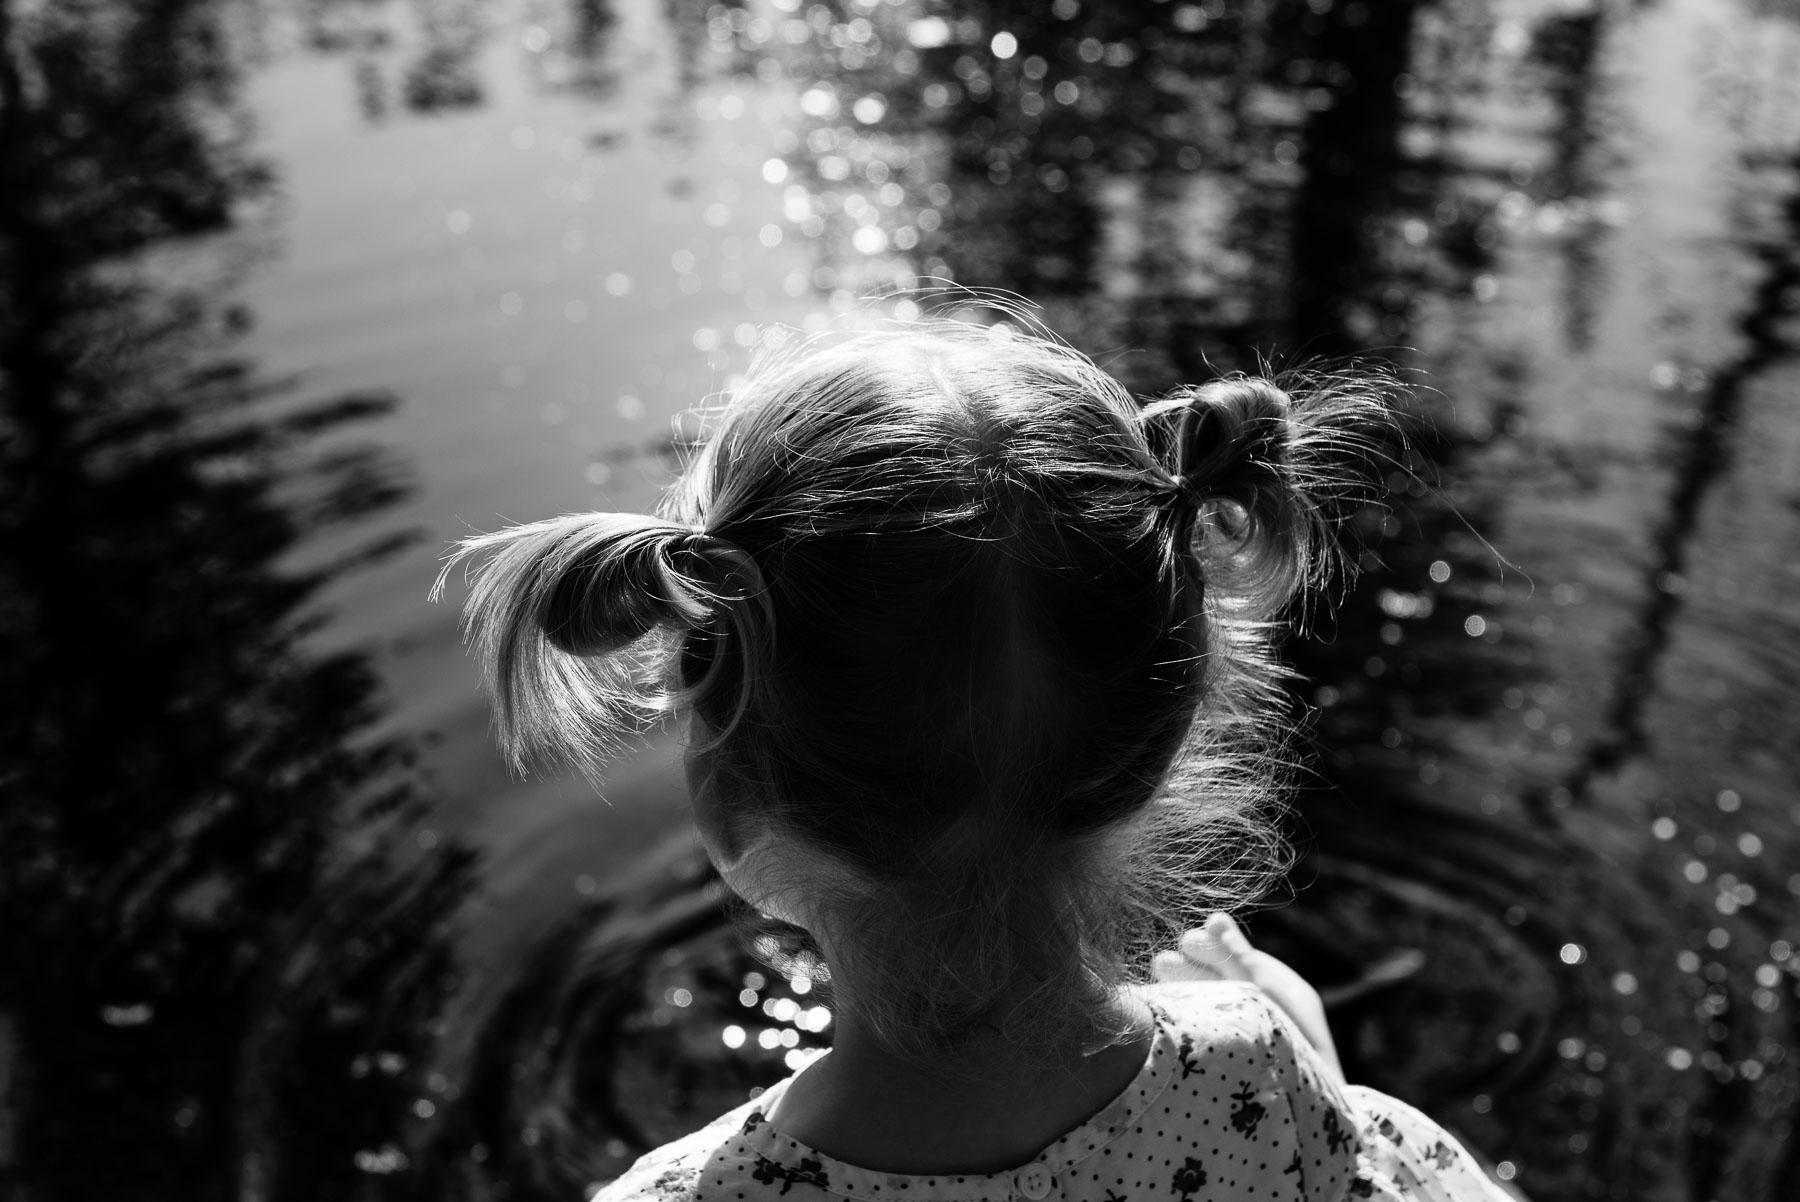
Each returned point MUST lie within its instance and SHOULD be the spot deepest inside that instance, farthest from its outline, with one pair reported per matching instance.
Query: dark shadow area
(226, 943)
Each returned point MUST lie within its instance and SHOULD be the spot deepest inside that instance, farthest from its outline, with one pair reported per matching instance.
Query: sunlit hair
(947, 605)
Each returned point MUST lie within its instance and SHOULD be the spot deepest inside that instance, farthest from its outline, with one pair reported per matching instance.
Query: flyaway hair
(951, 608)
(569, 617)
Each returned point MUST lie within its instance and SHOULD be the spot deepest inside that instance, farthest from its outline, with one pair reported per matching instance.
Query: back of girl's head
(953, 609)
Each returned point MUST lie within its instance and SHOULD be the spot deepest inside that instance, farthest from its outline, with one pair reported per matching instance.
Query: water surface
(1551, 718)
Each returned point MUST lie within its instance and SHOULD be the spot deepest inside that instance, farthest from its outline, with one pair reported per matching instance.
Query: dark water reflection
(224, 948)
(1556, 757)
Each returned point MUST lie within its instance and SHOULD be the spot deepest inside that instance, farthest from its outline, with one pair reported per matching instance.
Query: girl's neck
(867, 1106)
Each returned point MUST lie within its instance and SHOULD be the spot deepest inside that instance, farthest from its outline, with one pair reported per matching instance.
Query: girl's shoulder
(1240, 1068)
(1225, 1029)
(1354, 1142)
(1225, 1011)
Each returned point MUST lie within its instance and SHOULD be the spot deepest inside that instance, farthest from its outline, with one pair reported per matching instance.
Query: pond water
(399, 271)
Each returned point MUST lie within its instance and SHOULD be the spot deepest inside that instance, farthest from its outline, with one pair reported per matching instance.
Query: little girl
(971, 651)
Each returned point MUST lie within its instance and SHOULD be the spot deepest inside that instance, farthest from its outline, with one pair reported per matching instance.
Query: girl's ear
(724, 830)
(773, 873)
(710, 818)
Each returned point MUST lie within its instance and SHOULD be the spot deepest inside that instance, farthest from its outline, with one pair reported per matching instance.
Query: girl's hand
(1219, 951)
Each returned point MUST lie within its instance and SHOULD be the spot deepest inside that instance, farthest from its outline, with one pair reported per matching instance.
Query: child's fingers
(1220, 948)
(1231, 935)
(1173, 966)
(1202, 947)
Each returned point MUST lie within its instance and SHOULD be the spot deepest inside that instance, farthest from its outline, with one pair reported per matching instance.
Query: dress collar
(770, 1155)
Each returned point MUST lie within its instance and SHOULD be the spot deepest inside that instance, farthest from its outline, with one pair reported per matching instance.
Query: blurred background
(293, 292)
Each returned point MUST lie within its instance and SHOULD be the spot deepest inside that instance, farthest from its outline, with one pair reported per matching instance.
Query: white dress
(1232, 1105)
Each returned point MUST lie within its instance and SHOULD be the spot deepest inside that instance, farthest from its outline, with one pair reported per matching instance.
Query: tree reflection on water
(1204, 183)
(1532, 781)
(224, 946)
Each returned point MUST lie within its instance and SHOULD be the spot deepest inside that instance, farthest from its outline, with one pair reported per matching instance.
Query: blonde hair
(952, 608)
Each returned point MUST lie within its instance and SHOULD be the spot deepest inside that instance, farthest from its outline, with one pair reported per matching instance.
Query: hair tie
(730, 571)
(1231, 438)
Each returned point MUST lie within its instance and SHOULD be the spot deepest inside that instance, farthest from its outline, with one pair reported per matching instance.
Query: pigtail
(578, 623)
(1264, 477)
(1263, 474)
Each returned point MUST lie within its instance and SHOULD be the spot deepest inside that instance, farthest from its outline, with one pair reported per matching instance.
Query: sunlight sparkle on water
(928, 33)
(798, 1058)
(388, 1159)
(819, 101)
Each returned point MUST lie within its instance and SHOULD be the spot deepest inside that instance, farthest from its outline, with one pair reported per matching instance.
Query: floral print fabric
(1231, 1104)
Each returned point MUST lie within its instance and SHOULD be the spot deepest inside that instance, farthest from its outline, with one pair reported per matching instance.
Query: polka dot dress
(1231, 1104)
